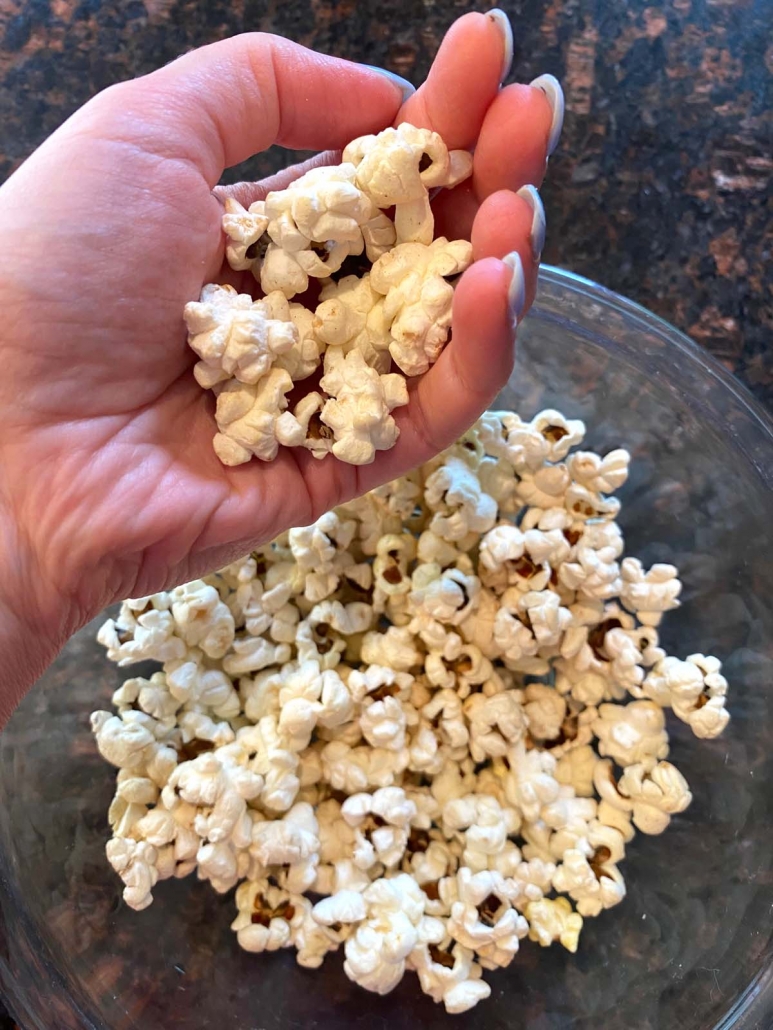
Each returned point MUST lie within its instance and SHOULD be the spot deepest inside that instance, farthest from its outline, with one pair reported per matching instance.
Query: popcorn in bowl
(424, 730)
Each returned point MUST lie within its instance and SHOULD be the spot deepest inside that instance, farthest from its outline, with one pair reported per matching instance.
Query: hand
(110, 486)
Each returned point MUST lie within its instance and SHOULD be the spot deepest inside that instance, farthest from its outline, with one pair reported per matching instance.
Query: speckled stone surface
(661, 188)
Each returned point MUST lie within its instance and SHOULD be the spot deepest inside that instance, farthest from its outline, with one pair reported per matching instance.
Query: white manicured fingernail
(406, 88)
(551, 87)
(537, 234)
(502, 22)
(516, 291)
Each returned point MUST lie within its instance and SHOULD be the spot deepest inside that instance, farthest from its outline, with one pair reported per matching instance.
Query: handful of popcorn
(440, 711)
(253, 352)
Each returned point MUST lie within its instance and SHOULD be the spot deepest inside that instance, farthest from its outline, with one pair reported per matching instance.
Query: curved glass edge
(550, 274)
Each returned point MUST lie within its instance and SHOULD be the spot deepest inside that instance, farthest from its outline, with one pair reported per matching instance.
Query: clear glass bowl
(691, 945)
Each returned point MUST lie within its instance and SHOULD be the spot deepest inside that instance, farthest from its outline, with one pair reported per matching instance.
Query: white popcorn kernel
(304, 357)
(593, 570)
(244, 228)
(454, 493)
(202, 619)
(247, 417)
(695, 689)
(266, 916)
(394, 926)
(323, 204)
(496, 724)
(530, 782)
(632, 734)
(360, 405)
(450, 977)
(483, 920)
(485, 826)
(447, 596)
(395, 648)
(391, 170)
(234, 336)
(592, 887)
(413, 278)
(575, 769)
(135, 863)
(351, 317)
(381, 821)
(649, 594)
(250, 654)
(656, 795)
(346, 906)
(599, 475)
(151, 635)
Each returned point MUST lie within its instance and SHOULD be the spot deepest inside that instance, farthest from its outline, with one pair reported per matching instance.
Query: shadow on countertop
(660, 189)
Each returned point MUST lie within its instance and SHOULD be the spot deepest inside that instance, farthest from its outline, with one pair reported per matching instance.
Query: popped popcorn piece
(391, 170)
(235, 336)
(381, 822)
(413, 279)
(395, 924)
(694, 688)
(449, 976)
(244, 228)
(651, 797)
(649, 594)
(633, 733)
(360, 405)
(351, 317)
(460, 506)
(599, 475)
(135, 863)
(150, 634)
(203, 620)
(591, 885)
(553, 919)
(484, 825)
(248, 419)
(266, 916)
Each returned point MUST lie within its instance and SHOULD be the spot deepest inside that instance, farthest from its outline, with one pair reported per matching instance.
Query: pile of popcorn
(438, 712)
(252, 352)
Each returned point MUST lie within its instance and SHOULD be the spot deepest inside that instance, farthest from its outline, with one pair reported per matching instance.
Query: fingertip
(512, 147)
(506, 222)
(462, 82)
(405, 88)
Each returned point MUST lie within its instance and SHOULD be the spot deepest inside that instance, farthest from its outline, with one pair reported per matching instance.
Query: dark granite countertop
(660, 189)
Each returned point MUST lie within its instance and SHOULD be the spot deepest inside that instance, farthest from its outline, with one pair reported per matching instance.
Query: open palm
(109, 484)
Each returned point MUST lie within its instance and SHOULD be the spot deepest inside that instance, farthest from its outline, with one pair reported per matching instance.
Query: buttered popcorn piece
(439, 708)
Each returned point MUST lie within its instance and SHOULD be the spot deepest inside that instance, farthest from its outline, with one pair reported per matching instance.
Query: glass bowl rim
(692, 351)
